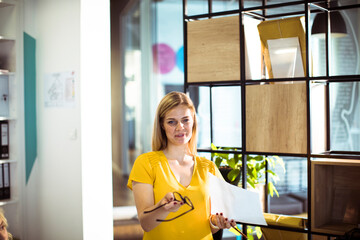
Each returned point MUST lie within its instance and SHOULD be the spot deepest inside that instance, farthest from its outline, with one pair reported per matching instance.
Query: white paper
(234, 202)
(59, 89)
(285, 57)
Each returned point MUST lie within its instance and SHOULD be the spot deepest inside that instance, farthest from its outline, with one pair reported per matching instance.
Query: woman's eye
(186, 120)
(171, 122)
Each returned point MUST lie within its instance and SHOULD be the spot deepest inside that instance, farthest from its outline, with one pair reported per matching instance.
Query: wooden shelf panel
(213, 50)
(334, 228)
(276, 118)
(339, 162)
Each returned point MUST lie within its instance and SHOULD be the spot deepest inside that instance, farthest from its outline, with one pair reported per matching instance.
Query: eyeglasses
(178, 198)
(242, 234)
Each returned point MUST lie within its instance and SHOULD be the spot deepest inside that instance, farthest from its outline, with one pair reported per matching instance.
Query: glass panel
(225, 5)
(196, 7)
(292, 9)
(251, 3)
(151, 43)
(168, 50)
(132, 76)
(291, 186)
(344, 53)
(345, 116)
(201, 99)
(226, 115)
(318, 48)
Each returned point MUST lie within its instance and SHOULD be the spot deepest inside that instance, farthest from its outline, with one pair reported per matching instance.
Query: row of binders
(4, 167)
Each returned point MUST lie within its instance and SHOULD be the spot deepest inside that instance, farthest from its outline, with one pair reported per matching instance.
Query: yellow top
(153, 168)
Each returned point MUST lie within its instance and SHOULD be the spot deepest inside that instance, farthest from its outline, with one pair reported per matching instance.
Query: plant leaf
(218, 162)
(270, 171)
(259, 158)
(271, 189)
(280, 161)
(258, 232)
(231, 162)
(213, 147)
(233, 174)
(251, 183)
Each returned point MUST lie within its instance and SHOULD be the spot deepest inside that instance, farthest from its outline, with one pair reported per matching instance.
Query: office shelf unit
(11, 99)
(277, 114)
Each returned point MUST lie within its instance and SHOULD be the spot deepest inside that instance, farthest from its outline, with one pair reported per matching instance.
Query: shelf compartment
(276, 118)
(335, 195)
(7, 55)
(213, 50)
(279, 38)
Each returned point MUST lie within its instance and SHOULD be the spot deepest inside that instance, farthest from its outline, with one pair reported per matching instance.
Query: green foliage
(255, 167)
(251, 230)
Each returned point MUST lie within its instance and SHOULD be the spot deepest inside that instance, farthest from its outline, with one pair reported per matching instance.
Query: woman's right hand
(144, 201)
(171, 204)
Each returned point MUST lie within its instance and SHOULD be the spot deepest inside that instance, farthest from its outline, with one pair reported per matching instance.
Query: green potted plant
(230, 165)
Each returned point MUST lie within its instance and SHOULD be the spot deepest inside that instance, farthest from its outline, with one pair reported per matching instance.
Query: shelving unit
(277, 114)
(10, 73)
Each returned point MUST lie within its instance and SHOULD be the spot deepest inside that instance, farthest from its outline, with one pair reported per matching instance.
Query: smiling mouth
(180, 135)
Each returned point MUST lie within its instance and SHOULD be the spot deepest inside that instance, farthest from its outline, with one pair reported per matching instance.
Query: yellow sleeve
(141, 171)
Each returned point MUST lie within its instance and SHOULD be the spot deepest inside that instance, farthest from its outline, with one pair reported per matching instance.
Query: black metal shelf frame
(320, 6)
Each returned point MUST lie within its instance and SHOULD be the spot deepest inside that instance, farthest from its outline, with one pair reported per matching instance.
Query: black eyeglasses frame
(177, 195)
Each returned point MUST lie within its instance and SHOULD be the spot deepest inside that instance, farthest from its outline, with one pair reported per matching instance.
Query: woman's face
(178, 125)
(3, 232)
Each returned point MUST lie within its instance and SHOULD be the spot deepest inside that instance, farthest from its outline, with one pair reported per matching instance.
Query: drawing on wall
(59, 89)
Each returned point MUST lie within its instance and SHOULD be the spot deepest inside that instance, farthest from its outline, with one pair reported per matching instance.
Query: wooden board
(276, 118)
(213, 50)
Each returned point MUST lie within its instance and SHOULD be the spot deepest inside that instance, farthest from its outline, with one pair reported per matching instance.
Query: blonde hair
(4, 220)
(170, 101)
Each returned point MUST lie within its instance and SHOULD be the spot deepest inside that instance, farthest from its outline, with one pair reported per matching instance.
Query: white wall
(69, 193)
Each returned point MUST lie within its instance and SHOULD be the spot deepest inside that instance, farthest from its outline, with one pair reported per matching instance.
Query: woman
(4, 234)
(170, 183)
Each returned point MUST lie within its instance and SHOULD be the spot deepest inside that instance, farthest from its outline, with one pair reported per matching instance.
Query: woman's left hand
(222, 222)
